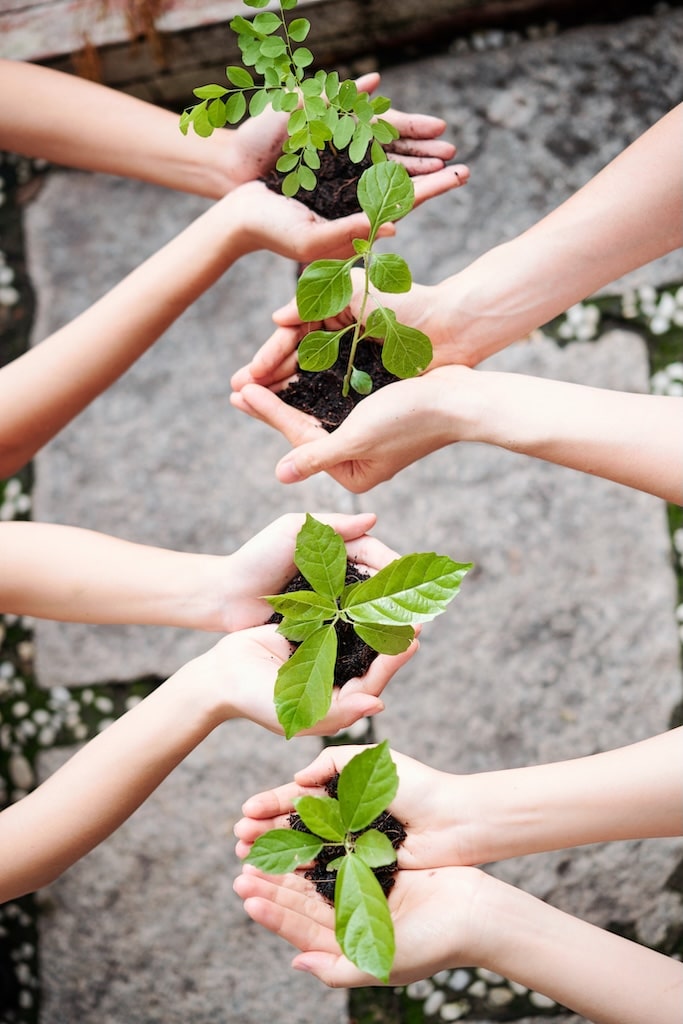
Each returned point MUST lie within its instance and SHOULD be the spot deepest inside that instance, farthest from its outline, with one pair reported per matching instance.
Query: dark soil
(335, 194)
(354, 656)
(323, 879)
(320, 393)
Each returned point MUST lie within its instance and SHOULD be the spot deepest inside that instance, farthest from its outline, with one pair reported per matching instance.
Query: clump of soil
(319, 393)
(323, 879)
(335, 194)
(354, 656)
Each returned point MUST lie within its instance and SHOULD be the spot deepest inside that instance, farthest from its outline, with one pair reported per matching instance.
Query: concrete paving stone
(563, 642)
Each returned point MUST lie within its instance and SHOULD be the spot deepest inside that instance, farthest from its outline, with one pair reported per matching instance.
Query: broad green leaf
(406, 350)
(311, 87)
(348, 91)
(282, 850)
(216, 113)
(267, 23)
(287, 162)
(302, 57)
(343, 131)
(299, 29)
(297, 121)
(235, 108)
(210, 92)
(363, 925)
(362, 137)
(312, 159)
(411, 589)
(390, 273)
(324, 289)
(385, 192)
(318, 350)
(258, 103)
(272, 46)
(366, 787)
(290, 184)
(361, 382)
(383, 638)
(320, 556)
(321, 815)
(240, 77)
(303, 688)
(298, 630)
(303, 604)
(375, 849)
(307, 178)
(332, 85)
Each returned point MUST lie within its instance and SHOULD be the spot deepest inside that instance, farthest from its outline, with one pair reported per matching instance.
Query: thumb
(308, 459)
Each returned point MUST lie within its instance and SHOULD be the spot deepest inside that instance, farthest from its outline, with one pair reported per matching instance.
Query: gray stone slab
(562, 643)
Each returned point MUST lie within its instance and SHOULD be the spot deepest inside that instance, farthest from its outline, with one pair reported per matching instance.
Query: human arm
(71, 121)
(69, 574)
(633, 439)
(94, 792)
(461, 917)
(633, 792)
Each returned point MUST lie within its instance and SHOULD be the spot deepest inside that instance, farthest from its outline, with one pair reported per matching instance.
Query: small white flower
(6, 275)
(659, 324)
(675, 371)
(9, 296)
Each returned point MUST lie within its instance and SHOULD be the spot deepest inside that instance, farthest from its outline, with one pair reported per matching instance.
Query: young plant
(325, 288)
(366, 787)
(382, 610)
(323, 111)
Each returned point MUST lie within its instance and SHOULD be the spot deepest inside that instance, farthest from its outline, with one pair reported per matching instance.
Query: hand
(387, 431)
(249, 661)
(434, 805)
(435, 925)
(265, 564)
(257, 143)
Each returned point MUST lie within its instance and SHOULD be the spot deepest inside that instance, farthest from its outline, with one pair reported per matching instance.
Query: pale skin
(110, 777)
(448, 913)
(593, 238)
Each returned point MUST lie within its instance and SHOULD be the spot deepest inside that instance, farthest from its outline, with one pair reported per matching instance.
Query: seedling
(382, 610)
(323, 110)
(325, 288)
(366, 787)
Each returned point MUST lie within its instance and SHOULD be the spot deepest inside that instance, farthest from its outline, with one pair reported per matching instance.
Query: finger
(437, 149)
(381, 671)
(288, 315)
(328, 762)
(271, 803)
(370, 553)
(368, 82)
(333, 969)
(415, 126)
(429, 185)
(278, 352)
(353, 527)
(298, 427)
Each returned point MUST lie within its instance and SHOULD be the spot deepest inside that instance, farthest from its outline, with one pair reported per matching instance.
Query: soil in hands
(335, 194)
(323, 879)
(354, 656)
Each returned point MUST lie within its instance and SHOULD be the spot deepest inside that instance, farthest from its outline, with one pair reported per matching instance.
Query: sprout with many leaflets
(323, 111)
(382, 609)
(366, 787)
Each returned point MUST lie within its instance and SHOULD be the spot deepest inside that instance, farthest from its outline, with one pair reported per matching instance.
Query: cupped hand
(433, 911)
(265, 564)
(433, 806)
(244, 667)
(389, 430)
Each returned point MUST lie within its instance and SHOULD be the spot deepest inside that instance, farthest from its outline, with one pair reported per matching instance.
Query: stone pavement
(563, 642)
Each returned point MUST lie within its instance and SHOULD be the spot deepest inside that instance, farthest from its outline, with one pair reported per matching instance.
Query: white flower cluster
(662, 310)
(668, 381)
(581, 323)
(13, 500)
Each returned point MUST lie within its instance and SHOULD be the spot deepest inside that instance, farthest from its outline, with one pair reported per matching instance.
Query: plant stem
(357, 327)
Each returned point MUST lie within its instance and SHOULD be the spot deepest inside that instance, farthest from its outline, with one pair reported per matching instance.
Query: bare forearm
(42, 391)
(112, 132)
(592, 239)
(74, 575)
(607, 979)
(634, 792)
(629, 438)
(104, 783)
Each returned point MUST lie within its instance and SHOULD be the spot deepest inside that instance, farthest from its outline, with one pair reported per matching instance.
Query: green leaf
(366, 787)
(258, 103)
(411, 589)
(374, 849)
(384, 132)
(288, 5)
(318, 350)
(320, 133)
(380, 104)
(324, 289)
(406, 351)
(335, 864)
(311, 87)
(362, 137)
(361, 382)
(385, 192)
(209, 92)
(299, 29)
(290, 102)
(377, 154)
(321, 815)
(362, 108)
(267, 23)
(240, 26)
(302, 57)
(303, 688)
(383, 638)
(273, 46)
(297, 121)
(348, 91)
(390, 273)
(304, 605)
(282, 850)
(235, 108)
(200, 121)
(216, 113)
(296, 630)
(363, 925)
(240, 77)
(343, 132)
(287, 162)
(307, 178)
(332, 85)
(361, 246)
(256, 3)
(312, 159)
(320, 556)
(290, 184)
